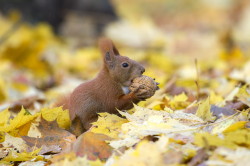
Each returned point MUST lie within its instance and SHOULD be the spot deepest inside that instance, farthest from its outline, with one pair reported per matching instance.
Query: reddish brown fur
(104, 93)
(63, 101)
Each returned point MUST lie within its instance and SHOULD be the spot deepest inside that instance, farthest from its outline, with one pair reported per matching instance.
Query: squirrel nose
(142, 70)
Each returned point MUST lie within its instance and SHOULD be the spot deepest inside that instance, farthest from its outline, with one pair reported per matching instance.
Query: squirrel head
(120, 68)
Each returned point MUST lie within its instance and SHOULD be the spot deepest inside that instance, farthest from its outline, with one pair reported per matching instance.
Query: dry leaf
(58, 114)
(93, 146)
(108, 124)
(53, 139)
(199, 158)
(204, 111)
(19, 123)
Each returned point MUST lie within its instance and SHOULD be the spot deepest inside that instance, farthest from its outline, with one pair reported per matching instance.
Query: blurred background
(47, 47)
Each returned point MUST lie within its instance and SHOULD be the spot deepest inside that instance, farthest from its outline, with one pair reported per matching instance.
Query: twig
(197, 79)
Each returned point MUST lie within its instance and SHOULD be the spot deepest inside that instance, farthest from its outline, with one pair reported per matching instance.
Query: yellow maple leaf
(24, 129)
(231, 123)
(63, 119)
(222, 126)
(58, 114)
(239, 137)
(215, 98)
(204, 111)
(231, 139)
(22, 118)
(179, 101)
(206, 139)
(2, 137)
(236, 126)
(234, 57)
(108, 124)
(50, 114)
(24, 156)
(3, 93)
(244, 95)
(25, 48)
(156, 105)
(5, 115)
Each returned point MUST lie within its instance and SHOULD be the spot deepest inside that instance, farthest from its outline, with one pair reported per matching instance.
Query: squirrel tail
(62, 101)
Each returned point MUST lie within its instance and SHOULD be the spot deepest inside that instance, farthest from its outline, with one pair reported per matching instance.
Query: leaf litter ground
(200, 115)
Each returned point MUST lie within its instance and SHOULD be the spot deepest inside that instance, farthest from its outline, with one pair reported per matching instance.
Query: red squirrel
(108, 91)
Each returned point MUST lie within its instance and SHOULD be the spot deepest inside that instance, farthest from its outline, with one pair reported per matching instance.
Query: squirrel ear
(106, 45)
(109, 51)
(108, 60)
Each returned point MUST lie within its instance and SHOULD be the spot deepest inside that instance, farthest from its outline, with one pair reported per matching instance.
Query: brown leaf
(248, 125)
(238, 105)
(28, 103)
(76, 127)
(50, 149)
(191, 110)
(219, 111)
(199, 157)
(53, 140)
(3, 152)
(173, 157)
(92, 145)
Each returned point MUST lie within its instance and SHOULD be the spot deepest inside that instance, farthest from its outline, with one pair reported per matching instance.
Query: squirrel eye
(125, 65)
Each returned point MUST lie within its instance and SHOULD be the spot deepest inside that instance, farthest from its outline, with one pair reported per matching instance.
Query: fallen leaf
(172, 157)
(199, 158)
(15, 142)
(93, 146)
(244, 95)
(145, 153)
(28, 103)
(5, 115)
(229, 140)
(145, 122)
(3, 153)
(53, 139)
(220, 111)
(223, 156)
(179, 101)
(72, 159)
(236, 126)
(219, 127)
(20, 121)
(108, 124)
(24, 156)
(204, 111)
(215, 98)
(58, 114)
